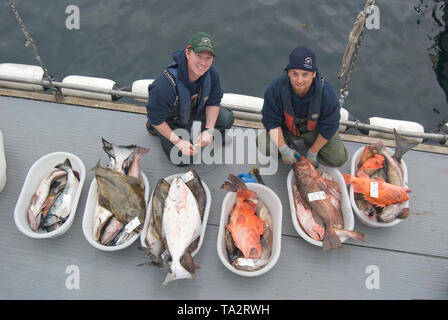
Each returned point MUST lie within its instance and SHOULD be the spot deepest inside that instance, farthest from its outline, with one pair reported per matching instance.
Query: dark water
(400, 71)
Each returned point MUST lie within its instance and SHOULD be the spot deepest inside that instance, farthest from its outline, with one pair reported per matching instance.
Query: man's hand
(205, 138)
(312, 157)
(186, 147)
(288, 154)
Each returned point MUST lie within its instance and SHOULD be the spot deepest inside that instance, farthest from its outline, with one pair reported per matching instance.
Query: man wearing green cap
(188, 90)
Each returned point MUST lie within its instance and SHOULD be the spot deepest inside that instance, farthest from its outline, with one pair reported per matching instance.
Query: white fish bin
(376, 224)
(347, 213)
(2, 164)
(38, 171)
(170, 179)
(89, 217)
(274, 205)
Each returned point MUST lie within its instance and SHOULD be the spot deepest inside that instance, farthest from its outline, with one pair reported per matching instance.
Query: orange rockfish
(245, 226)
(371, 165)
(386, 193)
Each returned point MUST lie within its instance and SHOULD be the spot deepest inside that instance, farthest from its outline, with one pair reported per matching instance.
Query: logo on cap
(308, 62)
(205, 42)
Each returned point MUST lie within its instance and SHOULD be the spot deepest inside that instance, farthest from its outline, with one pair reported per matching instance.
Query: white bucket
(2, 164)
(99, 83)
(397, 124)
(21, 71)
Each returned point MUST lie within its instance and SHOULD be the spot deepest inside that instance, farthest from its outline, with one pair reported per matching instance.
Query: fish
(394, 169)
(368, 152)
(39, 197)
(101, 219)
(134, 168)
(111, 230)
(309, 181)
(60, 210)
(122, 195)
(393, 211)
(305, 217)
(181, 225)
(387, 193)
(371, 165)
(245, 227)
(119, 156)
(366, 208)
(236, 256)
(153, 239)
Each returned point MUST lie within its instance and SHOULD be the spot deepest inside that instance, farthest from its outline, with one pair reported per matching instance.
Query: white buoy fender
(241, 102)
(444, 129)
(21, 71)
(99, 83)
(2, 164)
(397, 124)
(141, 87)
(344, 116)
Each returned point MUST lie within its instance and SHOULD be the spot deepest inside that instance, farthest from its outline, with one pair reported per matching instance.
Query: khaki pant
(332, 154)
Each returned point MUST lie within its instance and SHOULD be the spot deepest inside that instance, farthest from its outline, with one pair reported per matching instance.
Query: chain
(30, 43)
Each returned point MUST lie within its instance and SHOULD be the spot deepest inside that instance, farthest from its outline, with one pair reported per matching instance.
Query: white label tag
(246, 262)
(319, 195)
(132, 225)
(374, 189)
(187, 177)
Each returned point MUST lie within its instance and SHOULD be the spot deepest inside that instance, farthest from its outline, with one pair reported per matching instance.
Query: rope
(352, 50)
(30, 43)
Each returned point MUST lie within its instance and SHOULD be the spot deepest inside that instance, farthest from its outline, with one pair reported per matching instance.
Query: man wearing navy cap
(188, 90)
(300, 104)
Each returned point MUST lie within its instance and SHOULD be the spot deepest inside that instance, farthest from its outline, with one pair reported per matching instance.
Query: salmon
(387, 193)
(372, 165)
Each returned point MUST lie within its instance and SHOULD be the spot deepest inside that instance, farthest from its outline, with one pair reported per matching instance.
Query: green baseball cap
(201, 42)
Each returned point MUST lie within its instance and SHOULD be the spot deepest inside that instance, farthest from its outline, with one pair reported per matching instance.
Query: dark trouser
(223, 122)
(332, 154)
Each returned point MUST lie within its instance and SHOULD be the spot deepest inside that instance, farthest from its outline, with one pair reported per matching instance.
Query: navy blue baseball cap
(302, 58)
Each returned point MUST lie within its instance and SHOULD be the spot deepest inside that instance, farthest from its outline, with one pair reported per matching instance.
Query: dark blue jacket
(162, 94)
(273, 116)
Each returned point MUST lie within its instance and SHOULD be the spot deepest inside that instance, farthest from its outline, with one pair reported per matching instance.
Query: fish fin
(363, 175)
(178, 272)
(331, 240)
(228, 186)
(66, 164)
(402, 145)
(98, 164)
(347, 178)
(351, 234)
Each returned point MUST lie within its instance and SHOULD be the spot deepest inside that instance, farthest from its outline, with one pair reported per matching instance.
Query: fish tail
(351, 234)
(233, 183)
(140, 152)
(402, 145)
(177, 272)
(65, 165)
(331, 240)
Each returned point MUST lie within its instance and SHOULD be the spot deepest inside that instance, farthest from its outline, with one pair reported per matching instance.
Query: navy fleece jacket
(273, 116)
(162, 95)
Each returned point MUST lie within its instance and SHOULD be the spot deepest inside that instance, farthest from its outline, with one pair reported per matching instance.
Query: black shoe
(150, 129)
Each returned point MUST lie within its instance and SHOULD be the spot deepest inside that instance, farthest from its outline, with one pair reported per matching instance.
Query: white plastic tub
(347, 213)
(2, 164)
(274, 205)
(354, 164)
(38, 171)
(204, 218)
(89, 217)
